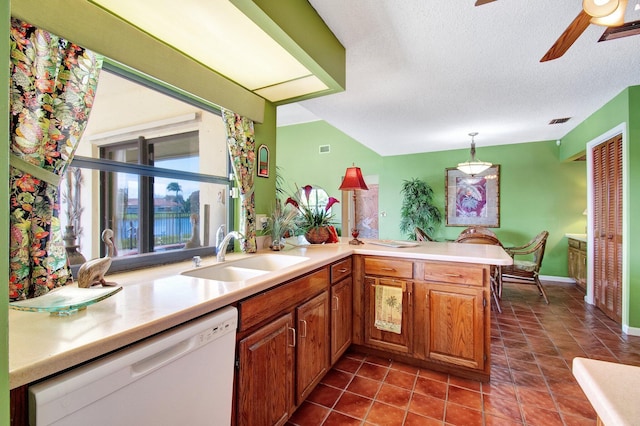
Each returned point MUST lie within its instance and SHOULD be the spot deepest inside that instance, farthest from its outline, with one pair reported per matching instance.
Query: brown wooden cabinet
(341, 308)
(265, 375)
(283, 348)
(455, 325)
(577, 262)
(312, 352)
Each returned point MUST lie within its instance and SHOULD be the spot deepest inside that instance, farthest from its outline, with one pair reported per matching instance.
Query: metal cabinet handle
(387, 269)
(336, 304)
(453, 275)
(342, 270)
(293, 331)
(303, 333)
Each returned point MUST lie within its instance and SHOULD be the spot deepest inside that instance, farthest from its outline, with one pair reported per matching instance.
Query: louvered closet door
(607, 164)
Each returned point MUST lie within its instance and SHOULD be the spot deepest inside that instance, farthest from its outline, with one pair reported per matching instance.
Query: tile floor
(531, 381)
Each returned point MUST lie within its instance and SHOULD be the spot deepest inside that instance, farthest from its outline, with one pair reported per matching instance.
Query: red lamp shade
(353, 180)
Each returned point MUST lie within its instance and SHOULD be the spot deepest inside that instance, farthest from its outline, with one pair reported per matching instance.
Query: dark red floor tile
(466, 397)
(491, 420)
(535, 398)
(339, 419)
(372, 371)
(309, 414)
(393, 395)
(435, 375)
(577, 420)
(463, 416)
(353, 405)
(337, 378)
(431, 387)
(386, 415)
(575, 407)
(414, 419)
(427, 406)
(364, 387)
(504, 408)
(348, 365)
(405, 368)
(383, 362)
(324, 395)
(536, 416)
(401, 379)
(465, 383)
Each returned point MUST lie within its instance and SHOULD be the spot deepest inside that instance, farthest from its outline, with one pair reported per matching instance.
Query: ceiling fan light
(615, 19)
(600, 8)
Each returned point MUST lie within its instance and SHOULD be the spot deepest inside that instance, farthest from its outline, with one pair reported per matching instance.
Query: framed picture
(473, 200)
(263, 161)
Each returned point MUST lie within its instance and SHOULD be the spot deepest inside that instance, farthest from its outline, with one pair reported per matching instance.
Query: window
(154, 168)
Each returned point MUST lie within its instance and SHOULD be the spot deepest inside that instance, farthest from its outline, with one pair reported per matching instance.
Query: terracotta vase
(317, 235)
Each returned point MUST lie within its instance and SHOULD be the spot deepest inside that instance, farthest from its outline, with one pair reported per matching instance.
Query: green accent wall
(4, 219)
(621, 109)
(537, 191)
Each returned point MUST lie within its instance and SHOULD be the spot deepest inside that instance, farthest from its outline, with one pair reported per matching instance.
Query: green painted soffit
(96, 29)
(298, 28)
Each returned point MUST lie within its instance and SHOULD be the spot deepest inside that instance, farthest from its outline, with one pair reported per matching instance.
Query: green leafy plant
(280, 223)
(418, 208)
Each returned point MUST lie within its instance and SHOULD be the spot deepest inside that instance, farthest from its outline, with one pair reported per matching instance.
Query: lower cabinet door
(341, 318)
(265, 374)
(388, 314)
(312, 354)
(456, 325)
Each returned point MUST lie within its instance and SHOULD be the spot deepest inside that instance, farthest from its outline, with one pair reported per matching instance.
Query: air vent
(325, 149)
(559, 120)
(624, 30)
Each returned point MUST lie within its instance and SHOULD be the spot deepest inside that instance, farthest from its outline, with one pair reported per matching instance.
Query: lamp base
(356, 242)
(354, 234)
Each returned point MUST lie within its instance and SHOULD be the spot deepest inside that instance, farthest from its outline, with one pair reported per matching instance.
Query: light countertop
(611, 388)
(579, 237)
(155, 299)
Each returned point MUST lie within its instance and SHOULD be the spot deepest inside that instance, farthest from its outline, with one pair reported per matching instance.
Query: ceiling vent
(559, 120)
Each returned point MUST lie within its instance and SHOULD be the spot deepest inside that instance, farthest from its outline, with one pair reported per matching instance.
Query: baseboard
(557, 279)
(631, 331)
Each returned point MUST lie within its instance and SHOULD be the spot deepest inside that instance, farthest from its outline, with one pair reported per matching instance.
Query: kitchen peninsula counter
(156, 299)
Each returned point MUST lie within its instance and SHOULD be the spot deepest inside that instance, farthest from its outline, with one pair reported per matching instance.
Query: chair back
(535, 247)
(478, 230)
(472, 238)
(421, 235)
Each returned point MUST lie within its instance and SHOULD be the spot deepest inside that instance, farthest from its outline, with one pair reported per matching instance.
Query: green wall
(528, 171)
(621, 109)
(4, 221)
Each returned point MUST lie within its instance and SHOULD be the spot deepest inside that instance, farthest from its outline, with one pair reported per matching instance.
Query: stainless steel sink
(247, 268)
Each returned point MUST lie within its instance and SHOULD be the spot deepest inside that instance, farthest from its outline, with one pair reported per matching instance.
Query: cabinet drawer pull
(342, 270)
(336, 304)
(293, 332)
(453, 275)
(303, 333)
(386, 268)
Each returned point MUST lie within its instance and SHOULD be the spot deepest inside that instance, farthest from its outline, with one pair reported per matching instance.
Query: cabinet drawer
(388, 267)
(340, 269)
(454, 273)
(580, 245)
(272, 302)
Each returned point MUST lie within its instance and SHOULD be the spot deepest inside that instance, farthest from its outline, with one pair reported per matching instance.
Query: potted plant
(280, 223)
(315, 222)
(418, 209)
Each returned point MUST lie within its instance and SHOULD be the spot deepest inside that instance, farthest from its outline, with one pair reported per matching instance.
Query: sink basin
(268, 262)
(224, 273)
(244, 269)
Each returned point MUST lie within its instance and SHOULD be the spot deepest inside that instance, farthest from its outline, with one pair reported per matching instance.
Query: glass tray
(65, 300)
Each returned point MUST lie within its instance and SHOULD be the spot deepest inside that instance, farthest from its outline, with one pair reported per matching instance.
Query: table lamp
(353, 181)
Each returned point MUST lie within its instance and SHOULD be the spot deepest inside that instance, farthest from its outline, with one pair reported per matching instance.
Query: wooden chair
(421, 235)
(526, 270)
(478, 230)
(475, 237)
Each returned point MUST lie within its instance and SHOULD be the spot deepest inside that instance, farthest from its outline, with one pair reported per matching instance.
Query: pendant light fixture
(473, 166)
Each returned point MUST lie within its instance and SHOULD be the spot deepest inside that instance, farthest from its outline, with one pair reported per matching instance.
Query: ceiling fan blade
(481, 2)
(568, 37)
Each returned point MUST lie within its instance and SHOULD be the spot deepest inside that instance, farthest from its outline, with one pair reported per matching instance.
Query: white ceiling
(422, 74)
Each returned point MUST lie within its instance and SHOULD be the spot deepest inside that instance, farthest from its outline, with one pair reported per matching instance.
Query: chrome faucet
(220, 234)
(221, 248)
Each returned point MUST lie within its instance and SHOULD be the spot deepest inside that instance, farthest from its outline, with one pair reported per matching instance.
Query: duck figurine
(92, 271)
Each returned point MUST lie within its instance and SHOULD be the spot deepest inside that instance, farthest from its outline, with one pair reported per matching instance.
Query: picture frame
(263, 161)
(473, 200)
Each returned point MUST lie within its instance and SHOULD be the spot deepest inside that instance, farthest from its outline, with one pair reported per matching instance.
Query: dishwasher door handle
(162, 358)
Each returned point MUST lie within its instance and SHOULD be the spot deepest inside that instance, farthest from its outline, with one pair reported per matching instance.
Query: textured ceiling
(423, 74)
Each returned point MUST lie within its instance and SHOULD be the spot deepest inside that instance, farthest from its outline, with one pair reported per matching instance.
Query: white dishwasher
(183, 376)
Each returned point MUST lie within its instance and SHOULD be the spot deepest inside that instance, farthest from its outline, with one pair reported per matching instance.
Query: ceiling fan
(607, 13)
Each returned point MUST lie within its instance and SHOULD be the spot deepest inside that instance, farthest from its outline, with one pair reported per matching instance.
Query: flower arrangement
(314, 219)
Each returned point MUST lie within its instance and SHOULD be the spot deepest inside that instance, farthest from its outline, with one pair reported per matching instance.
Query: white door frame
(620, 129)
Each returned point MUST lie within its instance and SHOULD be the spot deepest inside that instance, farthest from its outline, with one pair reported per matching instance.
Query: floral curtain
(52, 88)
(241, 143)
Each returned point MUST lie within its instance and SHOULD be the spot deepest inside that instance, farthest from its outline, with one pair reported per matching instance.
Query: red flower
(307, 191)
(293, 202)
(331, 202)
